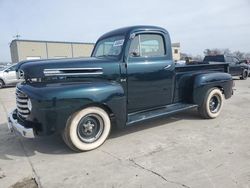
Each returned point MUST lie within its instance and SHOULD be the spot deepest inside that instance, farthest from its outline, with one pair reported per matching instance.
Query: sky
(196, 24)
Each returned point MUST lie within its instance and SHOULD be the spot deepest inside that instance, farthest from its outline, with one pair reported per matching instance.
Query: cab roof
(127, 30)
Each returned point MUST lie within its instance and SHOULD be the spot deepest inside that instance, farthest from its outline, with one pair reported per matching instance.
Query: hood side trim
(73, 71)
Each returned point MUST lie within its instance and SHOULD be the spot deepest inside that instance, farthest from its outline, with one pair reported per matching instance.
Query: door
(10, 75)
(238, 70)
(150, 75)
(234, 66)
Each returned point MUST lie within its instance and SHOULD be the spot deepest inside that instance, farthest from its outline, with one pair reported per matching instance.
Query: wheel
(212, 104)
(1, 84)
(87, 129)
(244, 75)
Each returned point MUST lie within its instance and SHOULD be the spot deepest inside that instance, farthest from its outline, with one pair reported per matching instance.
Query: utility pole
(17, 36)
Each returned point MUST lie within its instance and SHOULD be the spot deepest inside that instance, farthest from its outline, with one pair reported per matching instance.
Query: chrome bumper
(14, 126)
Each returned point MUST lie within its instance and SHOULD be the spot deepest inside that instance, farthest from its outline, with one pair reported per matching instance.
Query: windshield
(111, 46)
(217, 58)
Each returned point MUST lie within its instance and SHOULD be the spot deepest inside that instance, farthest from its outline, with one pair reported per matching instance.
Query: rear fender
(204, 82)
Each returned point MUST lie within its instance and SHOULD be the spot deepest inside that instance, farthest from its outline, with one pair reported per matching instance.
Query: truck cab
(149, 68)
(130, 77)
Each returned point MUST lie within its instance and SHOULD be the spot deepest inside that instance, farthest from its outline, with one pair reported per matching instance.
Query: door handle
(167, 67)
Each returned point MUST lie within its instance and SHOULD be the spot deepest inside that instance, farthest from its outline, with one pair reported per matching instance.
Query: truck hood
(82, 67)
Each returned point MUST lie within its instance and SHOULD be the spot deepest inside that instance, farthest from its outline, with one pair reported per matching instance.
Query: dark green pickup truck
(130, 77)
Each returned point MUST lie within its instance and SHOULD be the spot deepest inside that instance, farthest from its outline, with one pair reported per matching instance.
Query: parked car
(247, 62)
(8, 76)
(131, 77)
(236, 67)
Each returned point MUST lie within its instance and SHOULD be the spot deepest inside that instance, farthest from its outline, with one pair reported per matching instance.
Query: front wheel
(1, 84)
(87, 129)
(212, 104)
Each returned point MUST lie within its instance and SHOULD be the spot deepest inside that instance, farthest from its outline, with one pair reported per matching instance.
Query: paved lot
(179, 151)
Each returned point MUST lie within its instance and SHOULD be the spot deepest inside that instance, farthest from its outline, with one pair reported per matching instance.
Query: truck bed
(184, 79)
(221, 67)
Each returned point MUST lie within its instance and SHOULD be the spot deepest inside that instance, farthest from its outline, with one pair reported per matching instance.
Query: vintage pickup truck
(130, 77)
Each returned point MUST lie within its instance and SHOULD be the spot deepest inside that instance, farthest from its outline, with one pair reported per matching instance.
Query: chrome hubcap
(90, 128)
(214, 104)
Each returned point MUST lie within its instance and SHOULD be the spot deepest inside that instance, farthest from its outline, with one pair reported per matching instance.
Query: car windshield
(12, 68)
(109, 47)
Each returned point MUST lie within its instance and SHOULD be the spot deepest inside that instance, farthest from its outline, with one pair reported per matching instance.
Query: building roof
(177, 44)
(47, 41)
(88, 43)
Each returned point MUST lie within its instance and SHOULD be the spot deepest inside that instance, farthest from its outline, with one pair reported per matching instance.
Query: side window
(151, 45)
(235, 60)
(147, 45)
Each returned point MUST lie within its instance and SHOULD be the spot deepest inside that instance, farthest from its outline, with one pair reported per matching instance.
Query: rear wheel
(212, 104)
(87, 129)
(244, 75)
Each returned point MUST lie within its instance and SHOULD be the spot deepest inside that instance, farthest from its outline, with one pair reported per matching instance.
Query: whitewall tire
(212, 104)
(87, 129)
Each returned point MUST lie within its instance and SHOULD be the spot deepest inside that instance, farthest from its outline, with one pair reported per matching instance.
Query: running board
(157, 112)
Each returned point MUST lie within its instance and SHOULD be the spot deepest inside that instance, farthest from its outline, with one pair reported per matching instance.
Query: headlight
(29, 104)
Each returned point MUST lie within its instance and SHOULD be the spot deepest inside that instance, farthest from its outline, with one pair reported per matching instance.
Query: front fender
(54, 103)
(203, 82)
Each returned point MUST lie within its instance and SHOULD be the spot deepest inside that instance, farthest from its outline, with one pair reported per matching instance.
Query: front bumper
(14, 126)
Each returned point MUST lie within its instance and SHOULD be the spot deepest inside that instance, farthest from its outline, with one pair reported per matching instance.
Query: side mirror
(134, 54)
(7, 70)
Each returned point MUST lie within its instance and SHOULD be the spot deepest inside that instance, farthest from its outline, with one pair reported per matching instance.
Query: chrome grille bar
(22, 111)
(22, 103)
(21, 100)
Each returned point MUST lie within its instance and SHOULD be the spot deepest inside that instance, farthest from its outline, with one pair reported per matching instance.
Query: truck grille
(22, 104)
